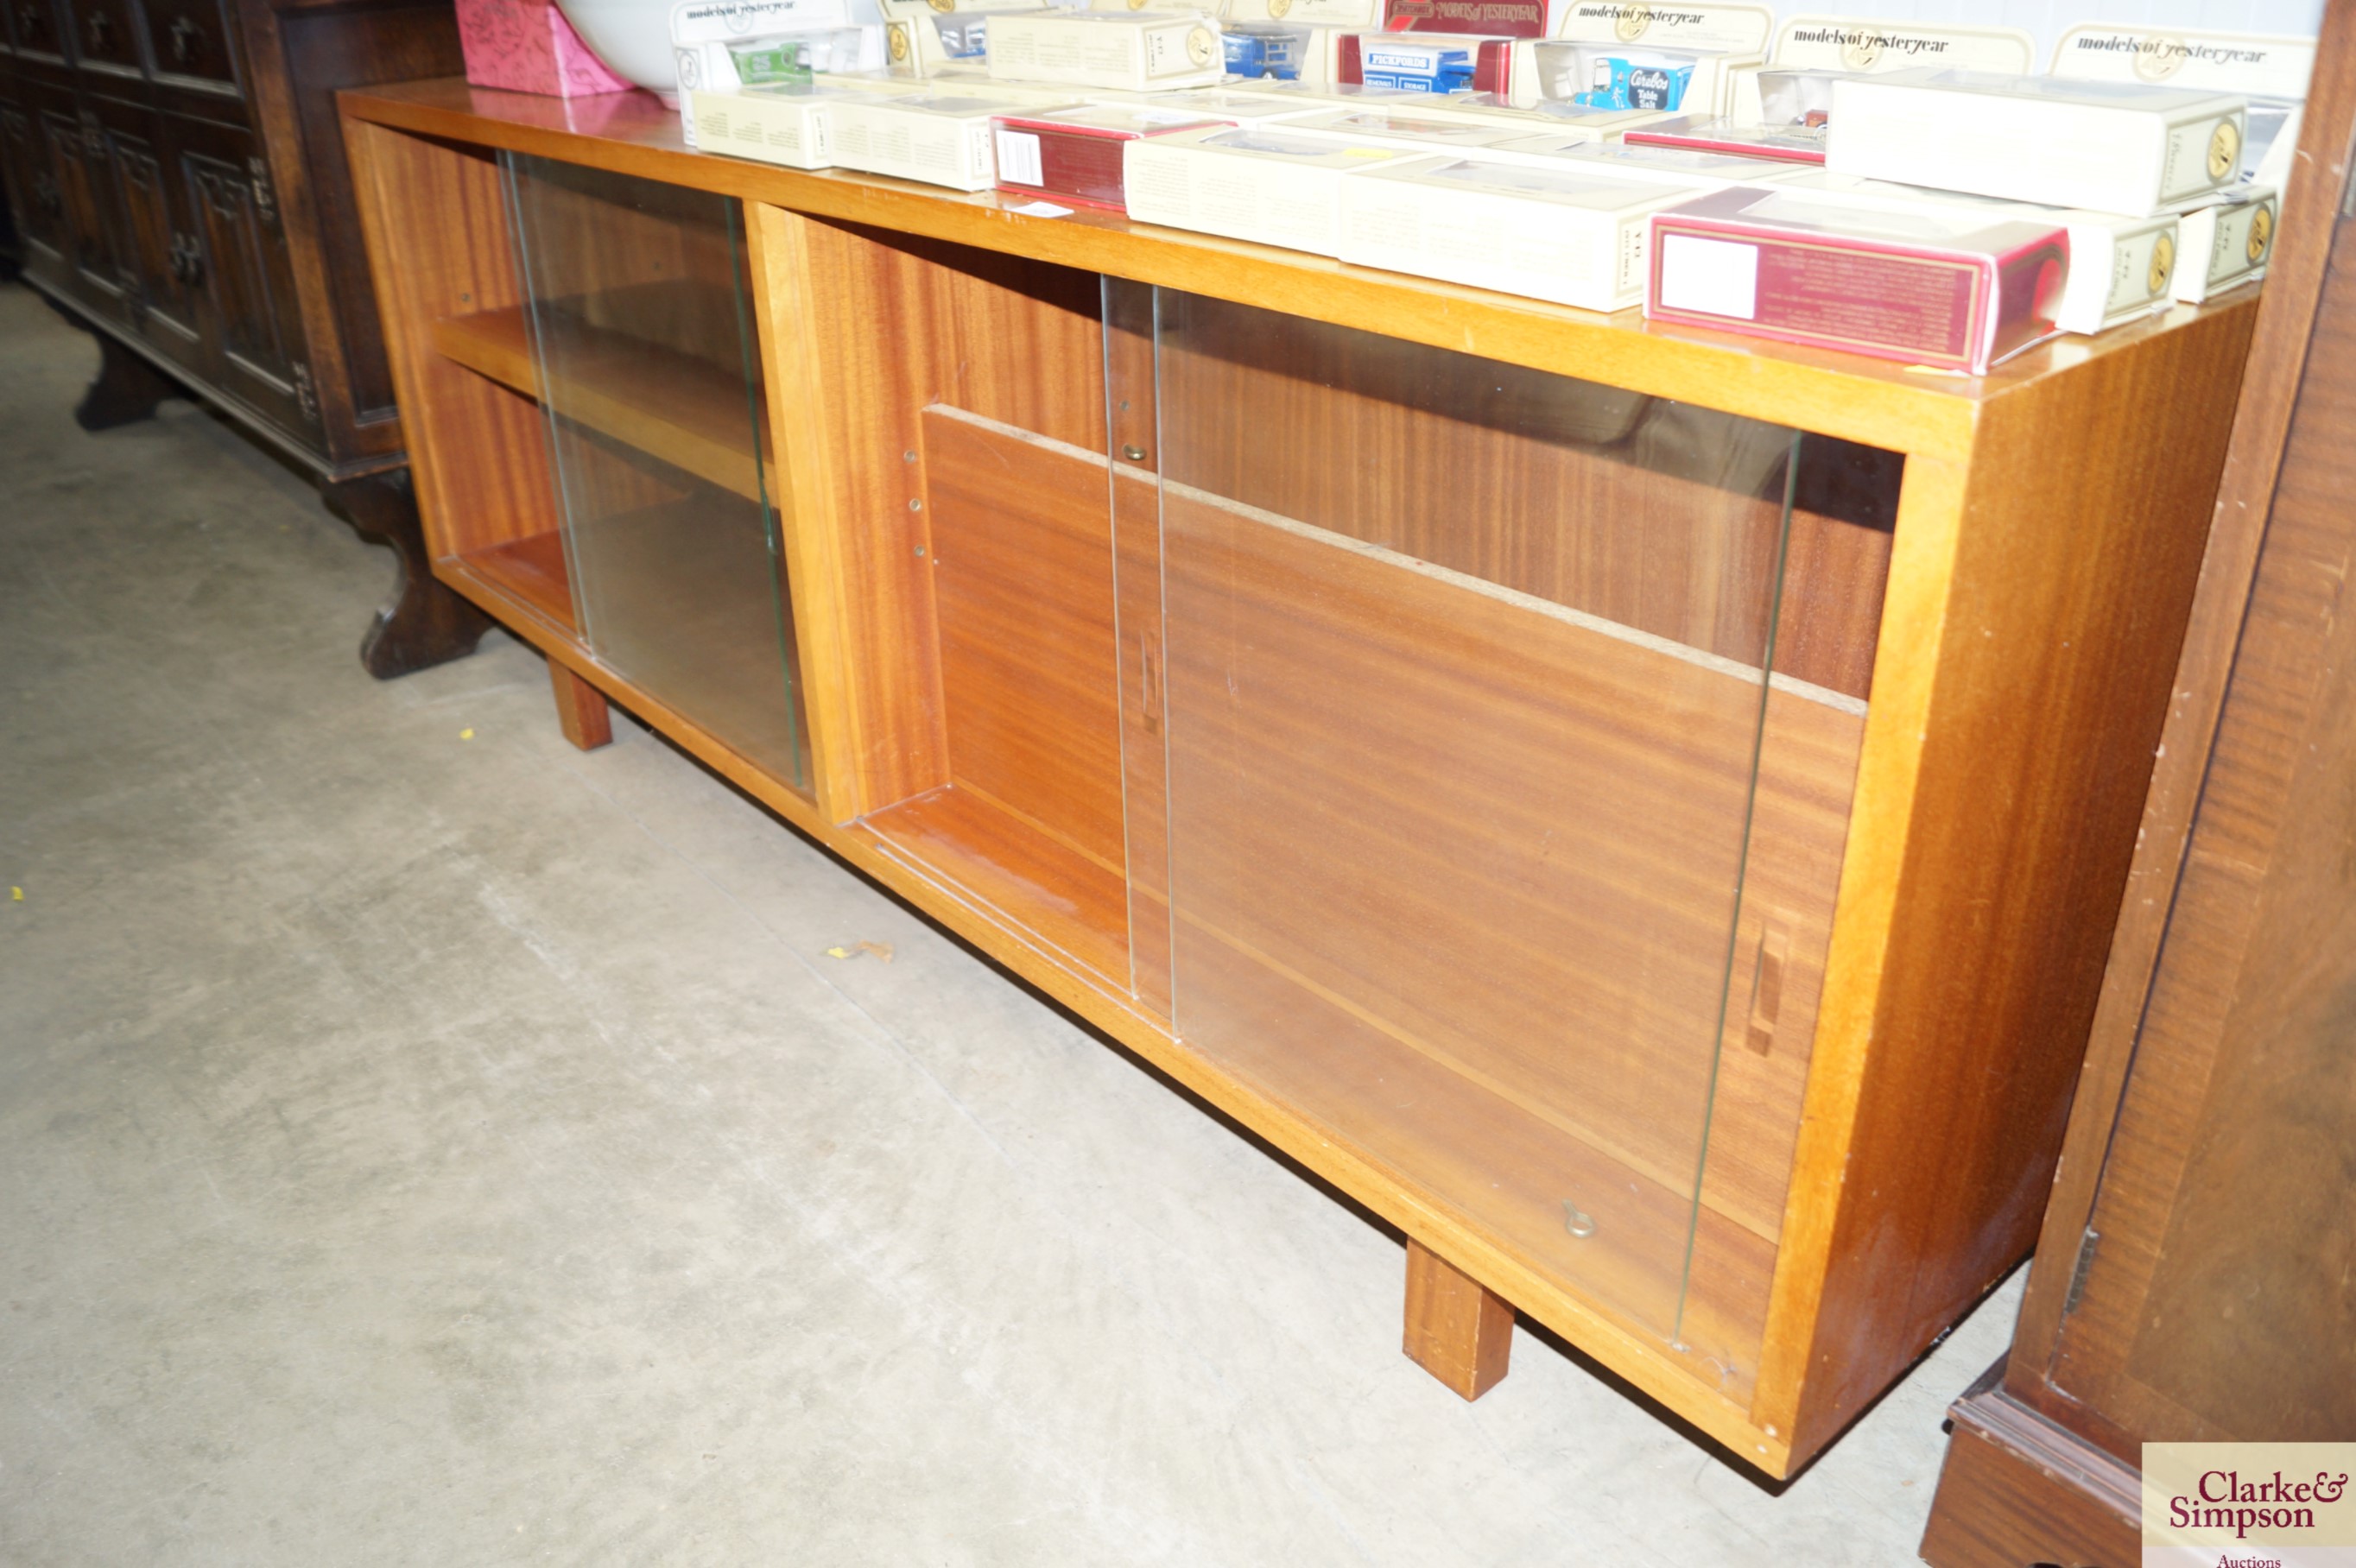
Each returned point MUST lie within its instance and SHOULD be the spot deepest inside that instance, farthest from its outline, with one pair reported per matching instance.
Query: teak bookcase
(1639, 810)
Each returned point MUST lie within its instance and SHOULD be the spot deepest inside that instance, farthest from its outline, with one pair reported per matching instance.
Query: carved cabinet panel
(162, 267)
(248, 280)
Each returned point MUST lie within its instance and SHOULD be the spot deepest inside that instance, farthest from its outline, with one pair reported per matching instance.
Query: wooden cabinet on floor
(2196, 1277)
(178, 175)
(1640, 811)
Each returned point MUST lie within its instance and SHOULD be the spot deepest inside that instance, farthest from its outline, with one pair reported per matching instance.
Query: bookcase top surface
(1880, 402)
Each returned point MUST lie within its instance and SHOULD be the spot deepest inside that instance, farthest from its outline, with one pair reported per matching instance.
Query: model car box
(2227, 241)
(939, 138)
(1258, 183)
(1137, 50)
(1076, 155)
(2107, 146)
(2271, 71)
(704, 35)
(1681, 60)
(1694, 168)
(793, 126)
(1783, 108)
(2121, 269)
(1962, 289)
(1235, 105)
(1827, 46)
(950, 40)
(1572, 238)
(1416, 131)
(1448, 46)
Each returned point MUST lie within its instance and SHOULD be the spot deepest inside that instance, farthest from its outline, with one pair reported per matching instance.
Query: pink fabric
(527, 45)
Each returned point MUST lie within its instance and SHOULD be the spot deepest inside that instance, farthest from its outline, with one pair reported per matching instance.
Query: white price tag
(1018, 159)
(1717, 277)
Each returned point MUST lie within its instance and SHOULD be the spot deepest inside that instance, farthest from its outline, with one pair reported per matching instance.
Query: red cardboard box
(1074, 155)
(527, 45)
(1929, 287)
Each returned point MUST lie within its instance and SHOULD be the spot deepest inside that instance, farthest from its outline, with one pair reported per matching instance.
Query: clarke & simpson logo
(2249, 1505)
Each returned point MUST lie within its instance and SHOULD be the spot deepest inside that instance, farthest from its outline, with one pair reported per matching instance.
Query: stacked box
(790, 126)
(1963, 288)
(1256, 183)
(2271, 73)
(1575, 239)
(1632, 160)
(2105, 147)
(2121, 268)
(1076, 155)
(1684, 59)
(1132, 50)
(1816, 48)
(1235, 106)
(936, 137)
(1423, 133)
(2227, 243)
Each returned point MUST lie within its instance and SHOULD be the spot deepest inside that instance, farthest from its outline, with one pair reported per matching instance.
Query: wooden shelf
(532, 571)
(684, 411)
(1045, 885)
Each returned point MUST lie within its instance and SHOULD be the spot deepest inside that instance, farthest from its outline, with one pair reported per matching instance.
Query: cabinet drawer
(190, 40)
(105, 35)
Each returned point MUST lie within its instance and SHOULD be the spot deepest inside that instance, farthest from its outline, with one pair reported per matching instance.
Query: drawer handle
(1149, 684)
(187, 259)
(100, 28)
(1767, 983)
(185, 36)
(1135, 454)
(30, 15)
(45, 195)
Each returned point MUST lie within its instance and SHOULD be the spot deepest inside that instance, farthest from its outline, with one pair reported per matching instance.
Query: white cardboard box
(702, 30)
(795, 128)
(936, 137)
(2121, 269)
(2227, 243)
(1575, 239)
(1634, 161)
(911, 38)
(1133, 49)
(2270, 71)
(1258, 183)
(1863, 46)
(1722, 41)
(1416, 130)
(2105, 147)
(1242, 106)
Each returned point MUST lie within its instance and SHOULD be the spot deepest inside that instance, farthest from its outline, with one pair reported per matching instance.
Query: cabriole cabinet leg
(127, 388)
(426, 621)
(580, 710)
(1456, 1330)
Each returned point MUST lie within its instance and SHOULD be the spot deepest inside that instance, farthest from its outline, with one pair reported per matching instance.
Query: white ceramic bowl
(633, 37)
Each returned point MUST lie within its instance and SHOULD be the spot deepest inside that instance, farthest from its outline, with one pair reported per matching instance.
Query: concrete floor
(424, 1143)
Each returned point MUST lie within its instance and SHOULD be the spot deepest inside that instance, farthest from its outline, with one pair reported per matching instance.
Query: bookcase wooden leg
(1456, 1330)
(580, 710)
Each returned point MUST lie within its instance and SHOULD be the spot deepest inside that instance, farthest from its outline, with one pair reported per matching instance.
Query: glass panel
(1463, 679)
(640, 317)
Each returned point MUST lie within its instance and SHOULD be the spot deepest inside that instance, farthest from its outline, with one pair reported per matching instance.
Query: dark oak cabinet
(177, 174)
(2196, 1274)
